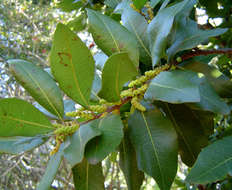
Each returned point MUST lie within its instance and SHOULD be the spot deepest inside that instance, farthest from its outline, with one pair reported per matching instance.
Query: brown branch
(109, 110)
(197, 52)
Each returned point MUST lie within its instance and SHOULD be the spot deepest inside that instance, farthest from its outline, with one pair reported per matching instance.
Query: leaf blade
(22, 119)
(39, 84)
(112, 133)
(74, 153)
(152, 131)
(88, 177)
(69, 67)
(112, 82)
(172, 87)
(213, 163)
(111, 37)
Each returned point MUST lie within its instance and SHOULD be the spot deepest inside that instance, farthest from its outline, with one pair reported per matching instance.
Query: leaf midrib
(211, 169)
(180, 132)
(154, 148)
(27, 122)
(43, 92)
(108, 29)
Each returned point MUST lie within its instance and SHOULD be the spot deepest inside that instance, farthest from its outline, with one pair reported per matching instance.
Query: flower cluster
(138, 87)
(61, 132)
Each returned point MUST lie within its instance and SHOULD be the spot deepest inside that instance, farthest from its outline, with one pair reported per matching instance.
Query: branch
(197, 52)
(109, 110)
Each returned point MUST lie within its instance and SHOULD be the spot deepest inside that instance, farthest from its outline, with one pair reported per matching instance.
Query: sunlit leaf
(20, 118)
(111, 36)
(117, 70)
(39, 84)
(72, 65)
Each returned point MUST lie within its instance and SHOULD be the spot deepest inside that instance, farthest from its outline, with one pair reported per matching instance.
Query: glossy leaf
(17, 145)
(74, 153)
(153, 3)
(117, 70)
(155, 143)
(87, 176)
(39, 84)
(173, 87)
(137, 25)
(72, 65)
(139, 3)
(111, 128)
(79, 23)
(192, 133)
(111, 36)
(209, 100)
(51, 170)
(221, 83)
(69, 5)
(128, 163)
(213, 163)
(19, 118)
(188, 36)
(112, 3)
(159, 29)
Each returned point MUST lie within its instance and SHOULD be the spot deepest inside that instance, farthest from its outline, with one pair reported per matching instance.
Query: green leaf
(69, 5)
(209, 100)
(213, 163)
(137, 25)
(74, 153)
(155, 142)
(87, 176)
(19, 118)
(117, 70)
(111, 128)
(17, 145)
(51, 170)
(221, 83)
(153, 3)
(111, 36)
(139, 3)
(159, 29)
(72, 65)
(39, 84)
(79, 23)
(191, 129)
(188, 36)
(128, 164)
(112, 3)
(173, 87)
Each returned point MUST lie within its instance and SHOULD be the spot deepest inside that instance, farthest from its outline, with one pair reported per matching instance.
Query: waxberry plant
(155, 96)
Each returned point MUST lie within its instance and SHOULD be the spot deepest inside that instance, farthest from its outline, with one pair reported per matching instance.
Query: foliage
(155, 96)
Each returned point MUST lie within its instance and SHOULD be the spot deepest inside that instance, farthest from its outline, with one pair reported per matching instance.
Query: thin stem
(197, 52)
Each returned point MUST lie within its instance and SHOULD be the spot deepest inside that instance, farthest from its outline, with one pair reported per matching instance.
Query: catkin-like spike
(127, 93)
(135, 102)
(98, 108)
